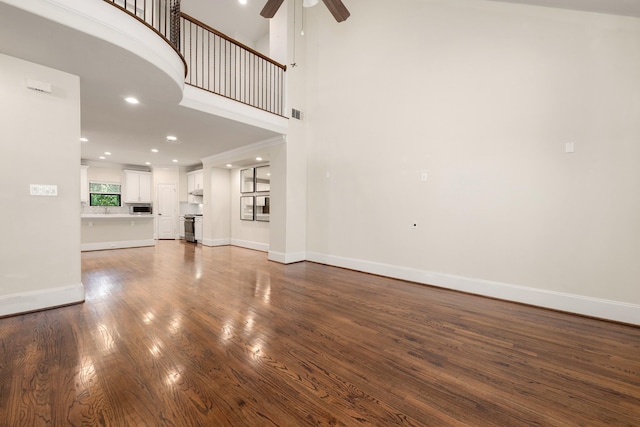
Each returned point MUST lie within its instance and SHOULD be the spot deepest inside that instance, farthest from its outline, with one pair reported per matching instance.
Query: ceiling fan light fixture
(336, 7)
(270, 8)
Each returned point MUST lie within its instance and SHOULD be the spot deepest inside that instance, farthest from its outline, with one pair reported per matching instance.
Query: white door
(167, 211)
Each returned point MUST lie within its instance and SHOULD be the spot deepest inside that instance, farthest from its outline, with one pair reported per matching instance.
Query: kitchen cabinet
(84, 184)
(114, 231)
(195, 182)
(181, 230)
(197, 228)
(137, 186)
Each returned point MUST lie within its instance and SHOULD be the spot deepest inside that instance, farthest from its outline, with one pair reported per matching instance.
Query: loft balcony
(170, 60)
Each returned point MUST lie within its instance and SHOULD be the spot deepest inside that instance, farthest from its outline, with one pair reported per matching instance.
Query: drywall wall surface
(456, 116)
(216, 220)
(41, 131)
(113, 174)
(254, 234)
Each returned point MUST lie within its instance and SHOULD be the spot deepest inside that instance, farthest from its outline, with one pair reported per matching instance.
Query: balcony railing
(221, 65)
(162, 16)
(214, 61)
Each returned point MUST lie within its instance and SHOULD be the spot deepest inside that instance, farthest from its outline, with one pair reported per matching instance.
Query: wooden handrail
(242, 73)
(233, 41)
(166, 37)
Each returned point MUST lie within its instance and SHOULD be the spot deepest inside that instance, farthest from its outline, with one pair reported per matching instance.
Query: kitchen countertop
(106, 216)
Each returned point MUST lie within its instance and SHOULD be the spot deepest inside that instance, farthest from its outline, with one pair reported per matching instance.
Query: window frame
(108, 189)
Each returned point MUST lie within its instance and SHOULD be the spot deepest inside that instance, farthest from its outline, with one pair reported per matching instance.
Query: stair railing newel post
(174, 33)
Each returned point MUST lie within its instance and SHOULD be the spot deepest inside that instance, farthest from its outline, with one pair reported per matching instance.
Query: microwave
(140, 210)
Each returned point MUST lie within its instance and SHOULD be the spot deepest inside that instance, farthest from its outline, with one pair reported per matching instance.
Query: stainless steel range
(189, 228)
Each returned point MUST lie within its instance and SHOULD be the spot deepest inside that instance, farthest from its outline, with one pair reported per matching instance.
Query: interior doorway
(166, 212)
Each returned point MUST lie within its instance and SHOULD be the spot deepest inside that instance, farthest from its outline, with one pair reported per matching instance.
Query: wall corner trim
(100, 246)
(256, 246)
(216, 242)
(25, 302)
(287, 258)
(577, 304)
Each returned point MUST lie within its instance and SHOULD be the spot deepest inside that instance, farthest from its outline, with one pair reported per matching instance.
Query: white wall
(216, 210)
(250, 234)
(40, 251)
(482, 96)
(289, 160)
(112, 174)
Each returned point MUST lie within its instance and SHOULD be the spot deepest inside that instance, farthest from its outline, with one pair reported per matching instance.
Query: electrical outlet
(570, 147)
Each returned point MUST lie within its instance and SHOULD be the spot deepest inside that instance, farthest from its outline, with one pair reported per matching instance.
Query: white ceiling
(242, 22)
(613, 7)
(108, 73)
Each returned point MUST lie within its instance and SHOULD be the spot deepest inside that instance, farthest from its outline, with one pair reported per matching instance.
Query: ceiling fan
(336, 7)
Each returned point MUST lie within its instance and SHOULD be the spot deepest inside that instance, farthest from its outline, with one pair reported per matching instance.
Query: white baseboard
(216, 242)
(263, 247)
(578, 304)
(116, 245)
(25, 302)
(287, 258)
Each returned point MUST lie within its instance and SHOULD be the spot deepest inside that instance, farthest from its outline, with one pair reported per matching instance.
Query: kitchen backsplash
(189, 208)
(86, 209)
(185, 208)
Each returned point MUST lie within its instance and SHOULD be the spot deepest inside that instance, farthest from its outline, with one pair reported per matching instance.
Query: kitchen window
(105, 194)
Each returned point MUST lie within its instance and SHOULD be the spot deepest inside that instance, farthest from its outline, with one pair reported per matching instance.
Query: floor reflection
(100, 286)
(262, 286)
(105, 338)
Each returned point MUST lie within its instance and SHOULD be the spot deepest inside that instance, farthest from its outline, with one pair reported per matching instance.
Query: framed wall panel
(247, 212)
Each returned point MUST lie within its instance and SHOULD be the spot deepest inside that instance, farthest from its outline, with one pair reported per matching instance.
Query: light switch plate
(43, 190)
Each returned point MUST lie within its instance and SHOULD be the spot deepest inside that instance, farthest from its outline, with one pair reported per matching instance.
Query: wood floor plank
(185, 335)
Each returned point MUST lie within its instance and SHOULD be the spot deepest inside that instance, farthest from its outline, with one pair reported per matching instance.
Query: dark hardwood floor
(179, 335)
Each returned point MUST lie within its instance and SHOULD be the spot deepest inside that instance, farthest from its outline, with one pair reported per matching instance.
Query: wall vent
(38, 86)
(296, 114)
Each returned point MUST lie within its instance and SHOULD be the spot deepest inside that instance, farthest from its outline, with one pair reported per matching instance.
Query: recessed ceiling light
(106, 153)
(229, 165)
(83, 139)
(132, 100)
(259, 159)
(147, 163)
(243, 1)
(154, 150)
(171, 138)
(175, 160)
(102, 157)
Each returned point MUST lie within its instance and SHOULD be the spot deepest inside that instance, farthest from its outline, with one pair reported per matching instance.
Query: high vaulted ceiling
(240, 21)
(128, 133)
(614, 7)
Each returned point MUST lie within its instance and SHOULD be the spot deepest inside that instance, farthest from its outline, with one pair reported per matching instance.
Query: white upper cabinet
(194, 180)
(195, 183)
(138, 187)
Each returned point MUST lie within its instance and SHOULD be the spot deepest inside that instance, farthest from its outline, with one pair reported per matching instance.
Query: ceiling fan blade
(337, 9)
(270, 9)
